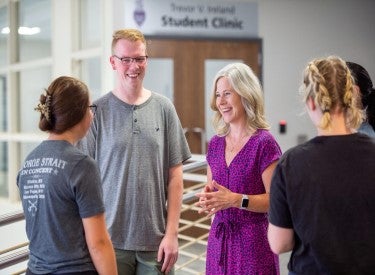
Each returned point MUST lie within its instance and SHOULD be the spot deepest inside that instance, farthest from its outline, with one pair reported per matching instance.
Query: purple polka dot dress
(237, 242)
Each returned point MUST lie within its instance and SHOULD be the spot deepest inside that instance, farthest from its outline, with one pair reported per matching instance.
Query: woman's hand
(207, 189)
(212, 201)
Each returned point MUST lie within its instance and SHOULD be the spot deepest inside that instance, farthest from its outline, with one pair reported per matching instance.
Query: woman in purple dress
(241, 159)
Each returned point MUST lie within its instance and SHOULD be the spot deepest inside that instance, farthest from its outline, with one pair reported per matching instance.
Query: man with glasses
(138, 142)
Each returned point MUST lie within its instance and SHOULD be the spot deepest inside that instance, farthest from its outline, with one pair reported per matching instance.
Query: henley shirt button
(135, 120)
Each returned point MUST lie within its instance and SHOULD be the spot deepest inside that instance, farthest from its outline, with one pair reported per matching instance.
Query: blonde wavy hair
(245, 83)
(328, 81)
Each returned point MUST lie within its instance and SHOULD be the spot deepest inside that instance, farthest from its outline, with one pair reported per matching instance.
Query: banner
(193, 18)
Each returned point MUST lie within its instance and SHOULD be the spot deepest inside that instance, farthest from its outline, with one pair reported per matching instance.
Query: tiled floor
(193, 234)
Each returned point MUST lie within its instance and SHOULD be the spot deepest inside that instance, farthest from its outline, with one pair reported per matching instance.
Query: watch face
(245, 202)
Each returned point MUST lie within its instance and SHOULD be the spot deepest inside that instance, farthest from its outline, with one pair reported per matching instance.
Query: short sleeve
(279, 213)
(178, 147)
(270, 151)
(87, 188)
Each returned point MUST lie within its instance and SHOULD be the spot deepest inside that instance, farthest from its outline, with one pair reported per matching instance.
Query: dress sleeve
(270, 151)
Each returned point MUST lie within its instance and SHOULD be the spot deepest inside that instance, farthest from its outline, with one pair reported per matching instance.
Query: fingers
(212, 212)
(201, 195)
(202, 205)
(204, 199)
(168, 262)
(168, 252)
(207, 189)
(207, 200)
(205, 207)
(160, 254)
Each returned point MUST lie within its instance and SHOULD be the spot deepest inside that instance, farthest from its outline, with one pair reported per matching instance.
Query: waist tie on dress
(223, 230)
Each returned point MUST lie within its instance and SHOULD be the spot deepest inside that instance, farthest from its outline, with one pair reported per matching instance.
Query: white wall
(295, 31)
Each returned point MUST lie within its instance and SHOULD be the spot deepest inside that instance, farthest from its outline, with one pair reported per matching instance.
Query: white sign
(193, 18)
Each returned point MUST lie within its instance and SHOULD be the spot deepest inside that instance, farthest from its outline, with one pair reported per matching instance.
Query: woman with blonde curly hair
(322, 200)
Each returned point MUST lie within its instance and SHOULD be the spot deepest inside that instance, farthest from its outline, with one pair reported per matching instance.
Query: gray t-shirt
(134, 146)
(59, 186)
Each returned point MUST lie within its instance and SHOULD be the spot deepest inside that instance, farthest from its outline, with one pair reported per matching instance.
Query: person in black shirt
(322, 199)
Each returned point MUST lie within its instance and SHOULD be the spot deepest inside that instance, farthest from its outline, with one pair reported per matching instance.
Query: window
(3, 35)
(33, 82)
(34, 29)
(91, 70)
(87, 47)
(90, 27)
(30, 60)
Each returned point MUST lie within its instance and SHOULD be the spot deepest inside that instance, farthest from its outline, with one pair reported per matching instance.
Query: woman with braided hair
(60, 190)
(367, 93)
(322, 199)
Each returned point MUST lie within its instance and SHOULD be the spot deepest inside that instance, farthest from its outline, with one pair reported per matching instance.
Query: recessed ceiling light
(23, 30)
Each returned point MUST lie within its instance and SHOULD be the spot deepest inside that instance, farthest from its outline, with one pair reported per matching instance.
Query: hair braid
(329, 82)
(321, 94)
(354, 115)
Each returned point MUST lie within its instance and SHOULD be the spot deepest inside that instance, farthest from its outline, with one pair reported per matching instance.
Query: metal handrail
(11, 217)
(194, 166)
(12, 248)
(14, 258)
(13, 255)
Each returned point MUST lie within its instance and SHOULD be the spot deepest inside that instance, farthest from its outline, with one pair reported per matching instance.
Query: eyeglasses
(140, 60)
(93, 108)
